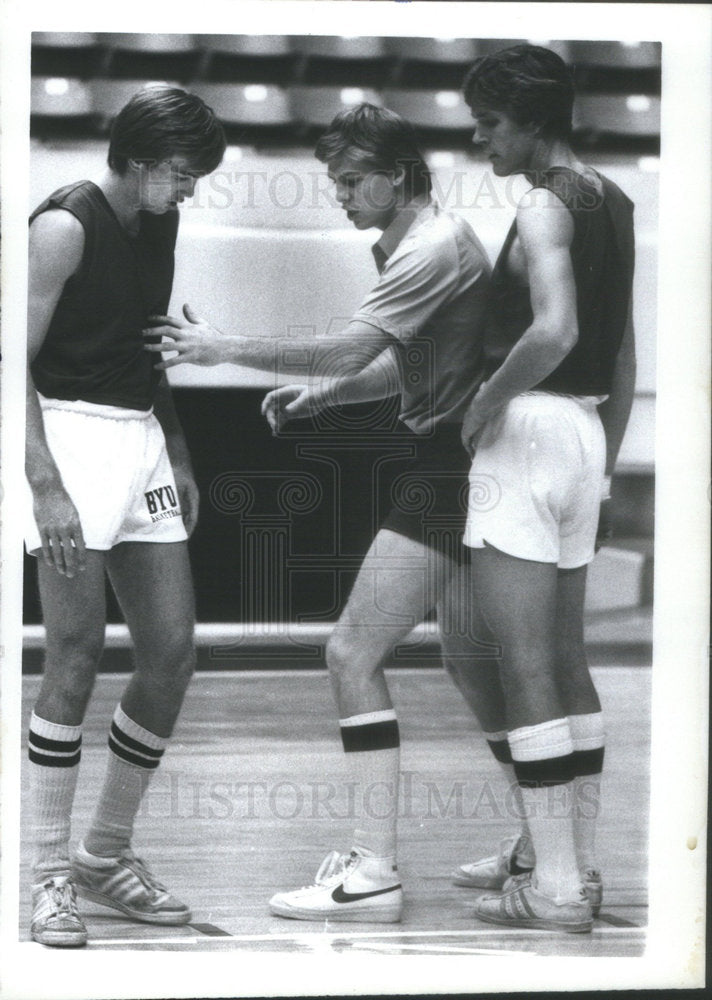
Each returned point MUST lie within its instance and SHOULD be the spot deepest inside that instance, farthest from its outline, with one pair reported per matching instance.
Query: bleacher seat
(135, 55)
(254, 104)
(65, 53)
(60, 106)
(245, 58)
(439, 62)
(338, 46)
(621, 55)
(617, 114)
(60, 97)
(340, 60)
(435, 113)
(318, 105)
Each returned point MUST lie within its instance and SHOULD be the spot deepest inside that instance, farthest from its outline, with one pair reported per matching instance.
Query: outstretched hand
(193, 338)
(286, 403)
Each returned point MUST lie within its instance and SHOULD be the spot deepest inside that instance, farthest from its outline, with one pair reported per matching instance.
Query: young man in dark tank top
(112, 492)
(546, 425)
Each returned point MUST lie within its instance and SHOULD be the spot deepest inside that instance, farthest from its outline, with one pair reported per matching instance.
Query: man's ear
(398, 177)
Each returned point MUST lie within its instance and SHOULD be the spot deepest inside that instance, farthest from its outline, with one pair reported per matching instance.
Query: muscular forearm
(40, 467)
(615, 411)
(310, 357)
(165, 412)
(378, 380)
(534, 357)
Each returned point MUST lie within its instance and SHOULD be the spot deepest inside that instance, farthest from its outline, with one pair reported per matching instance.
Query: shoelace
(139, 868)
(62, 897)
(333, 866)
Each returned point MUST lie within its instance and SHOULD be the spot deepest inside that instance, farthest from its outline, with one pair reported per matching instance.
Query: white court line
(318, 938)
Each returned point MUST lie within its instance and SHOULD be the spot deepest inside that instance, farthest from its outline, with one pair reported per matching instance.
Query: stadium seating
(618, 114)
(135, 55)
(318, 105)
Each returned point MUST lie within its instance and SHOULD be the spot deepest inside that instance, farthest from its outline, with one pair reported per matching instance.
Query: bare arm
(615, 411)
(166, 415)
(545, 229)
(378, 380)
(56, 246)
(197, 342)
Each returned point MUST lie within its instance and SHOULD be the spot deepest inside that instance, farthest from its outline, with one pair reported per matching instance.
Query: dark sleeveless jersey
(93, 349)
(602, 255)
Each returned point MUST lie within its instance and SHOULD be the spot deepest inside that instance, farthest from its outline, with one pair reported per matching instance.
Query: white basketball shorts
(115, 467)
(536, 480)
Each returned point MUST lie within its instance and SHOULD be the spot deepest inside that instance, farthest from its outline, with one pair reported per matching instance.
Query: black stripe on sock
(501, 751)
(132, 744)
(588, 762)
(61, 746)
(542, 773)
(47, 761)
(131, 758)
(371, 736)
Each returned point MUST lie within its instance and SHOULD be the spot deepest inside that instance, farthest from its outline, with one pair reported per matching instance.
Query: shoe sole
(60, 939)
(168, 919)
(539, 924)
(460, 878)
(362, 915)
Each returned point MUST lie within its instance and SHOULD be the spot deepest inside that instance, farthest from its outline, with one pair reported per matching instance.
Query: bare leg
(152, 582)
(519, 601)
(399, 582)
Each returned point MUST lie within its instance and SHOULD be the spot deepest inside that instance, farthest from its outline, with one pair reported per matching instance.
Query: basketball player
(112, 492)
(547, 424)
(417, 334)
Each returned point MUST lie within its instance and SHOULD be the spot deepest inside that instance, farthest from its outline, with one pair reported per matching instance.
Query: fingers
(170, 363)
(65, 551)
(170, 321)
(152, 332)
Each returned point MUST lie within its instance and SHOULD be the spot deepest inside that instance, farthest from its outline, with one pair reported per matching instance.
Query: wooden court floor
(252, 794)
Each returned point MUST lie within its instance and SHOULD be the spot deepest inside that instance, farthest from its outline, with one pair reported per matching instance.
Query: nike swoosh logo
(339, 895)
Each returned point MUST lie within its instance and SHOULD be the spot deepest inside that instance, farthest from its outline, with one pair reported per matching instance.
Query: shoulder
(57, 236)
(543, 219)
(438, 239)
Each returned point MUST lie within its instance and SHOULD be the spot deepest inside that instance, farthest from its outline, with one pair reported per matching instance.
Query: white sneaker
(515, 857)
(55, 918)
(347, 887)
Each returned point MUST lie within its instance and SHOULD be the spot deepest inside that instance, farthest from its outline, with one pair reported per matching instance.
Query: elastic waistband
(587, 402)
(93, 409)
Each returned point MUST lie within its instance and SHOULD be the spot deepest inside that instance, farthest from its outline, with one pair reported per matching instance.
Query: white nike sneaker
(514, 857)
(347, 887)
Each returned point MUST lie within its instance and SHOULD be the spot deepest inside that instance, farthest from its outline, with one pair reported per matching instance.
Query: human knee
(171, 665)
(346, 654)
(76, 652)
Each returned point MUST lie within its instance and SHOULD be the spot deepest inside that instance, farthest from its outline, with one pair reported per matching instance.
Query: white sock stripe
(53, 753)
(542, 742)
(136, 732)
(386, 715)
(132, 750)
(54, 730)
(592, 743)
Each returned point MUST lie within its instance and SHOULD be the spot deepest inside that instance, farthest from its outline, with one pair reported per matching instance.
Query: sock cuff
(53, 745)
(54, 730)
(134, 744)
(382, 735)
(544, 741)
(587, 731)
(136, 732)
(367, 718)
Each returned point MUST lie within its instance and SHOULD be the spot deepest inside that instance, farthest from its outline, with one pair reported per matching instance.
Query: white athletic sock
(134, 754)
(372, 745)
(588, 738)
(54, 752)
(514, 804)
(542, 760)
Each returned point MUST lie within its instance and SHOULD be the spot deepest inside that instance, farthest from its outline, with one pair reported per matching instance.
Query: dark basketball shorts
(429, 493)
